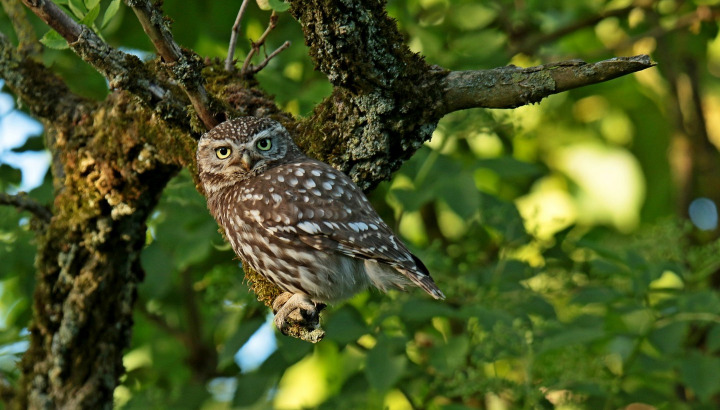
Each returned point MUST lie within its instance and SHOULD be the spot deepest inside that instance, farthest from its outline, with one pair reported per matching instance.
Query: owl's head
(241, 148)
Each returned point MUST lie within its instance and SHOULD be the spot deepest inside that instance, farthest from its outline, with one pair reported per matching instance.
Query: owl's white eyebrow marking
(267, 131)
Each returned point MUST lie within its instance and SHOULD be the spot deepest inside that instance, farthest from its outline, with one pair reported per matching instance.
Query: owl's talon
(295, 309)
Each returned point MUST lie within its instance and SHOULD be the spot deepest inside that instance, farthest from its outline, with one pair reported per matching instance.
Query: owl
(299, 222)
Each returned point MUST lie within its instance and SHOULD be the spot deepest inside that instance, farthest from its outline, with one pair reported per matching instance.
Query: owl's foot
(296, 310)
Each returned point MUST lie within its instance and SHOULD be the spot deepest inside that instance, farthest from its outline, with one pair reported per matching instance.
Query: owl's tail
(421, 277)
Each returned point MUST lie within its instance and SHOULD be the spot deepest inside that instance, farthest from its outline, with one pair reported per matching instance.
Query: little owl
(299, 222)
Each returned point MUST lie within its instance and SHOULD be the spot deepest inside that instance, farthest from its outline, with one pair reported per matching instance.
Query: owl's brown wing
(322, 208)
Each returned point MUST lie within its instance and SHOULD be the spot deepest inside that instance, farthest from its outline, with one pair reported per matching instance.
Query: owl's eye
(264, 144)
(223, 152)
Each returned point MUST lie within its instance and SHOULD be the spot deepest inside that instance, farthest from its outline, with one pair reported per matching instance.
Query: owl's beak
(246, 161)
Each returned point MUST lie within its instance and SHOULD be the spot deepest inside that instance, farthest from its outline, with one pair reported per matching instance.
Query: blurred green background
(576, 239)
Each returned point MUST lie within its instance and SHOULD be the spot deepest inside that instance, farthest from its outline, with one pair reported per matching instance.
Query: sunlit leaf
(78, 8)
(53, 39)
(110, 12)
(91, 16)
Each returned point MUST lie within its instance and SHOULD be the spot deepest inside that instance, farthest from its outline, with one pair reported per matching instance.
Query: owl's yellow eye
(223, 152)
(264, 144)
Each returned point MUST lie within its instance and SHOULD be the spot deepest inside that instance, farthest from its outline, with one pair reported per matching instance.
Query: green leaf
(451, 356)
(35, 143)
(588, 295)
(425, 309)
(9, 176)
(78, 8)
(279, 5)
(702, 374)
(713, 339)
(90, 17)
(91, 4)
(510, 168)
(669, 339)
(502, 216)
(572, 337)
(384, 368)
(53, 39)
(110, 12)
(346, 325)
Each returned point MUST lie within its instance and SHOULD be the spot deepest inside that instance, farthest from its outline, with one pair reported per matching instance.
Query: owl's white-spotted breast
(299, 222)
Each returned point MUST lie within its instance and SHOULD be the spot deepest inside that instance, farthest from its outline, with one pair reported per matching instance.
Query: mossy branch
(44, 93)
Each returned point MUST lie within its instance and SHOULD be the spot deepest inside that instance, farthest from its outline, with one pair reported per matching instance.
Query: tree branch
(43, 92)
(510, 87)
(185, 69)
(229, 66)
(24, 203)
(257, 68)
(113, 64)
(259, 43)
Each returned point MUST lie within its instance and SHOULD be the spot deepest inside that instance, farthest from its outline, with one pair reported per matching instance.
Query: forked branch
(247, 68)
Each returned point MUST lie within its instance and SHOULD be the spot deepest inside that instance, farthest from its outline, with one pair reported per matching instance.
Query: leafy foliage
(572, 281)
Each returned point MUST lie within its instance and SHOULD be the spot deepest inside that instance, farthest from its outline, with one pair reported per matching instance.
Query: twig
(24, 203)
(255, 69)
(261, 42)
(699, 15)
(229, 66)
(510, 87)
(183, 69)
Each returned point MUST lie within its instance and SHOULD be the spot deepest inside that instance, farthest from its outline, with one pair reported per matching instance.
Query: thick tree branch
(184, 68)
(24, 203)
(510, 87)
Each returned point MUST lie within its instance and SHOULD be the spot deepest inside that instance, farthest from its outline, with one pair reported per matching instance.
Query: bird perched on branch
(299, 222)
